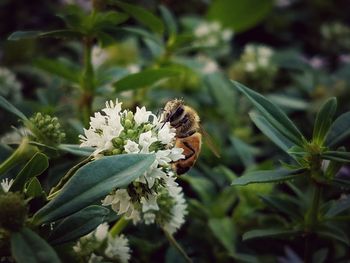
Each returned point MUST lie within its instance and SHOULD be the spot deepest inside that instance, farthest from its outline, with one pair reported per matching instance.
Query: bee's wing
(209, 141)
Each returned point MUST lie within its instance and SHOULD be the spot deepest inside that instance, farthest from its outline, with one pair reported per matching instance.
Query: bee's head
(173, 110)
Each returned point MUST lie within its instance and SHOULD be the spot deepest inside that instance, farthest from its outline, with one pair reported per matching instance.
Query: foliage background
(310, 63)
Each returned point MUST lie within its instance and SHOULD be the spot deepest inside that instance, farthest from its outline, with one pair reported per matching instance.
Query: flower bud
(13, 211)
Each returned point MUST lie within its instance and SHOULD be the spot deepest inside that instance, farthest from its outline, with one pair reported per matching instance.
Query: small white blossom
(142, 115)
(101, 232)
(133, 68)
(6, 184)
(95, 259)
(131, 147)
(145, 141)
(166, 134)
(178, 211)
(118, 248)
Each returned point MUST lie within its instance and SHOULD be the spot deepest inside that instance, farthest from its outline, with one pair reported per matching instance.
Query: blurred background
(297, 53)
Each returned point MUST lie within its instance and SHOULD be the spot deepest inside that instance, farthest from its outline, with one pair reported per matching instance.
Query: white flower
(145, 140)
(149, 203)
(141, 115)
(166, 134)
(98, 56)
(95, 259)
(202, 30)
(118, 248)
(133, 68)
(131, 147)
(6, 184)
(162, 157)
(250, 67)
(149, 218)
(227, 34)
(101, 232)
(176, 154)
(178, 211)
(210, 67)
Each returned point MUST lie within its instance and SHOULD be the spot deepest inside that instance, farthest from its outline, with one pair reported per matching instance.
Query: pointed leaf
(59, 69)
(244, 151)
(273, 114)
(324, 120)
(76, 149)
(267, 176)
(143, 78)
(63, 33)
(9, 107)
(270, 132)
(28, 247)
(223, 230)
(339, 130)
(334, 232)
(142, 15)
(285, 205)
(92, 182)
(34, 188)
(338, 207)
(78, 224)
(35, 166)
(169, 20)
(338, 156)
(269, 233)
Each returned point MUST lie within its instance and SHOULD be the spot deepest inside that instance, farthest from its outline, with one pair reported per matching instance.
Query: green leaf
(286, 205)
(338, 207)
(143, 78)
(59, 69)
(144, 34)
(269, 233)
(28, 247)
(223, 230)
(273, 114)
(324, 120)
(9, 107)
(274, 135)
(63, 33)
(239, 15)
(169, 20)
(339, 130)
(78, 224)
(334, 232)
(269, 176)
(76, 149)
(35, 166)
(244, 151)
(93, 182)
(142, 15)
(34, 188)
(338, 156)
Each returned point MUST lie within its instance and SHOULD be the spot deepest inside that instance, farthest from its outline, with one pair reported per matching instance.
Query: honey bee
(189, 132)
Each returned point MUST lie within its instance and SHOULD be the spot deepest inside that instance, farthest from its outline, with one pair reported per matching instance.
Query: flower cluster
(99, 245)
(336, 37)
(255, 67)
(154, 197)
(10, 86)
(211, 34)
(47, 129)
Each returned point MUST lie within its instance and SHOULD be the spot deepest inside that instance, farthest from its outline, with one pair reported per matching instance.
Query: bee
(189, 132)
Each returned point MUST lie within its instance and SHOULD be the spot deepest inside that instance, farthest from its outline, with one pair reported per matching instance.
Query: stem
(118, 226)
(87, 81)
(54, 191)
(177, 246)
(23, 152)
(311, 220)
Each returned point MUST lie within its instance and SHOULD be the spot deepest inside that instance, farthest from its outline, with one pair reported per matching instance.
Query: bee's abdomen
(191, 146)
